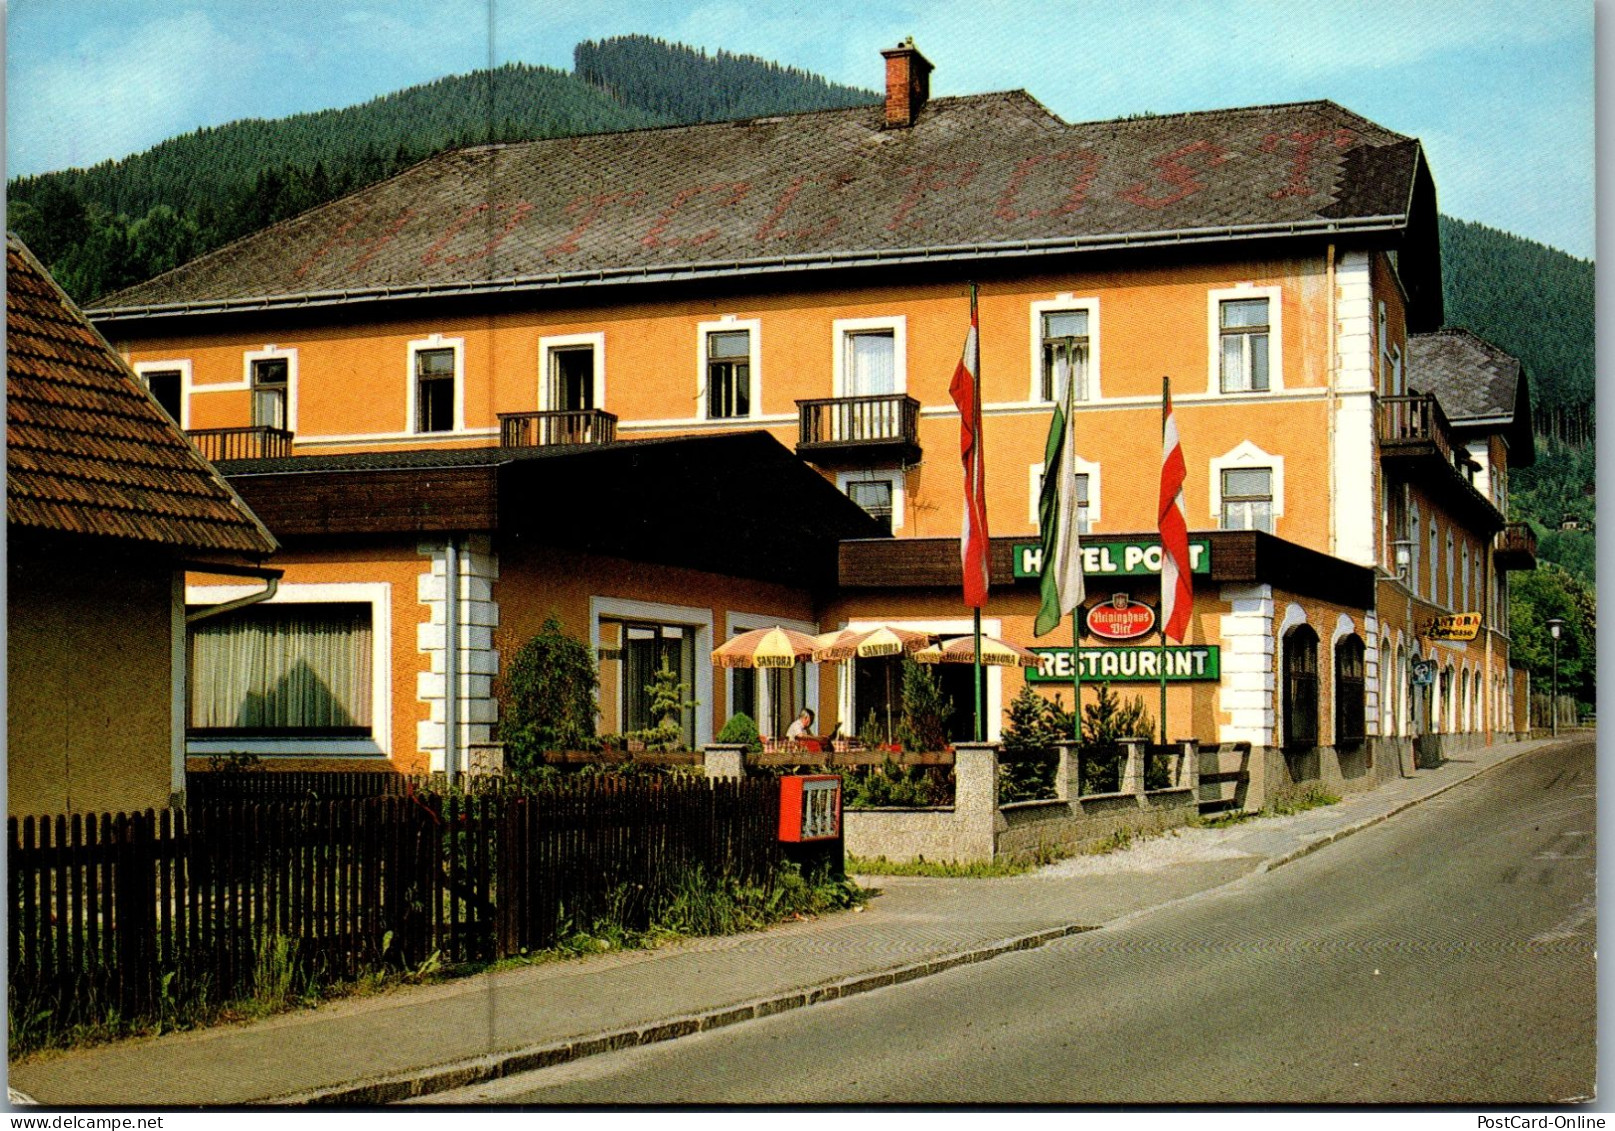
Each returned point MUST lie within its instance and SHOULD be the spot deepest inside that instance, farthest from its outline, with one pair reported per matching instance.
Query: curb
(481, 1069)
(493, 1066)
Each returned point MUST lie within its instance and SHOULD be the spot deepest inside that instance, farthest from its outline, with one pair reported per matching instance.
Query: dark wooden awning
(1237, 556)
(739, 504)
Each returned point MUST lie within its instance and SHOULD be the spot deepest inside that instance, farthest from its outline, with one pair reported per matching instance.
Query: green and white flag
(1057, 512)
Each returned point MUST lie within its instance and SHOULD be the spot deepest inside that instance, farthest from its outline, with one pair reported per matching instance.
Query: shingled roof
(984, 176)
(88, 452)
(1477, 383)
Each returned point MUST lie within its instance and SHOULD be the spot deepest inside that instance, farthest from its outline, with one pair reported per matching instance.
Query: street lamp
(1404, 557)
(1555, 627)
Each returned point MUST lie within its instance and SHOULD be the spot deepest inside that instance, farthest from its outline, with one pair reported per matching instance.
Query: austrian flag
(973, 542)
(1177, 598)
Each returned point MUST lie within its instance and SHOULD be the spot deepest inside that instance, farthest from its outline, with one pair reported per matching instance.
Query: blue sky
(1499, 91)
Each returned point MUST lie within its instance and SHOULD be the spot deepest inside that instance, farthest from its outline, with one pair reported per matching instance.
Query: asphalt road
(1444, 956)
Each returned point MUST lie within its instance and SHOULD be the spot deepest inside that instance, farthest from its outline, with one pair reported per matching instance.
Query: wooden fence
(127, 911)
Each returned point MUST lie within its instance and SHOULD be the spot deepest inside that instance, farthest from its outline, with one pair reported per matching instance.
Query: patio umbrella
(867, 643)
(873, 643)
(765, 648)
(962, 650)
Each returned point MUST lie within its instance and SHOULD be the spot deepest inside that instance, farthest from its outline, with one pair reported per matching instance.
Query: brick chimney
(908, 84)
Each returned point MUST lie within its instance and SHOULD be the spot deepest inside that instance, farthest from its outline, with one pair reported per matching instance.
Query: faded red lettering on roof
(655, 238)
(336, 238)
(377, 242)
(1306, 148)
(588, 209)
(770, 229)
(1174, 172)
(467, 214)
(1076, 190)
(924, 179)
(519, 211)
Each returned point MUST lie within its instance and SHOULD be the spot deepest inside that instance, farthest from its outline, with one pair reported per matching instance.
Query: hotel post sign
(1114, 559)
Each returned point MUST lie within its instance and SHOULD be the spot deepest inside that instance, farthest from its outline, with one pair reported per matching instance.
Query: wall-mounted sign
(1125, 558)
(1454, 626)
(1424, 672)
(1120, 618)
(1137, 664)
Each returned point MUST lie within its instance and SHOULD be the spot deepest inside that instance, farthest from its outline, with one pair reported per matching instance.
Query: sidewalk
(421, 1040)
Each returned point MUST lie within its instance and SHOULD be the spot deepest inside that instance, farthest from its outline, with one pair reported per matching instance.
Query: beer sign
(1121, 618)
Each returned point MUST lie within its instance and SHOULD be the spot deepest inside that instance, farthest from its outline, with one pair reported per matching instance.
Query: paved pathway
(420, 1040)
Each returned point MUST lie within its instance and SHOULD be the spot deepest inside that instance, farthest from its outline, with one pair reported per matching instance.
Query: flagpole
(1166, 399)
(981, 728)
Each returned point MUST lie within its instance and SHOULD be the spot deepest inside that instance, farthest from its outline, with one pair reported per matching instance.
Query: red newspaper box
(809, 807)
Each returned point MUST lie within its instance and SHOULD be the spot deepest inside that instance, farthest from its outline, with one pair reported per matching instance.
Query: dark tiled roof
(993, 174)
(1473, 379)
(87, 450)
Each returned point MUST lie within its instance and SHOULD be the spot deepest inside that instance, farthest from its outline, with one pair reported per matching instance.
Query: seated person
(802, 728)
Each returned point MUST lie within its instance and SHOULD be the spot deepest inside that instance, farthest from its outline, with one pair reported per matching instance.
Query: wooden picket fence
(127, 911)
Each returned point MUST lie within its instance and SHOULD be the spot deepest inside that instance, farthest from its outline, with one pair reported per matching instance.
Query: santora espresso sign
(1120, 618)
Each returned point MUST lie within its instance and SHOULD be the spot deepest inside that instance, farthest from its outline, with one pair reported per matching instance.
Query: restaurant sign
(1116, 558)
(1185, 664)
(1455, 626)
(1120, 618)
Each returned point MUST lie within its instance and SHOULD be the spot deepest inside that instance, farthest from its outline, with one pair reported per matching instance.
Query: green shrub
(924, 723)
(891, 785)
(740, 729)
(549, 698)
(667, 707)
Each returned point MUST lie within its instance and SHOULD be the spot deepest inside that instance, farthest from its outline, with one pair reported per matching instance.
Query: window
(646, 649)
(1451, 593)
(294, 670)
(434, 390)
(728, 374)
(270, 387)
(1413, 551)
(168, 388)
(787, 695)
(1435, 557)
(870, 363)
(1086, 487)
(1350, 700)
(875, 497)
(1247, 498)
(1301, 687)
(572, 379)
(1065, 354)
(1243, 330)
(1465, 574)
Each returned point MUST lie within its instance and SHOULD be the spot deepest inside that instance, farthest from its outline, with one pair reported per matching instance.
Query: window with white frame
(1384, 353)
(168, 390)
(728, 373)
(1085, 490)
(1435, 557)
(271, 389)
(1065, 354)
(870, 362)
(1247, 499)
(1414, 550)
(879, 493)
(1451, 593)
(434, 389)
(572, 372)
(283, 671)
(1464, 607)
(1244, 331)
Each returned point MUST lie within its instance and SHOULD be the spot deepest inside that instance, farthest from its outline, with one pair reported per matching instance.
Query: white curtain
(283, 667)
(871, 364)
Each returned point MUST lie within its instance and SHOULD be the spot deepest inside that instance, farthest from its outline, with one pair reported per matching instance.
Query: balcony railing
(1515, 546)
(1414, 424)
(551, 429)
(257, 441)
(860, 428)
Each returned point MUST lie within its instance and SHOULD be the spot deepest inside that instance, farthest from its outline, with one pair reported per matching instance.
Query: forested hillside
(119, 222)
(685, 85)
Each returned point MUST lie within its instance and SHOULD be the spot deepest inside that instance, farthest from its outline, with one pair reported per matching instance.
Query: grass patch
(1314, 798)
(945, 869)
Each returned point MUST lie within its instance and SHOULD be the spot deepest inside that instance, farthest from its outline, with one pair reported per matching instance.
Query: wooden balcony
(257, 441)
(558, 428)
(860, 430)
(1415, 438)
(1515, 547)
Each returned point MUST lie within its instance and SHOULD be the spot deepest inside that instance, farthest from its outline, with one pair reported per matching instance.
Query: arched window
(1350, 722)
(1301, 687)
(1387, 688)
(1465, 722)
